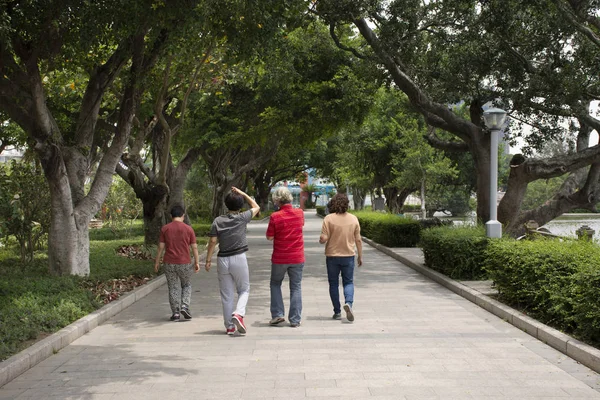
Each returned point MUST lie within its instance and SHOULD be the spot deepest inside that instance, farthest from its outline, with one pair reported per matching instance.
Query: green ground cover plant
(34, 303)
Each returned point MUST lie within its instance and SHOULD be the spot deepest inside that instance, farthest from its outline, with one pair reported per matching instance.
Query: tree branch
(451, 122)
(101, 183)
(99, 82)
(437, 143)
(533, 168)
(586, 31)
(336, 39)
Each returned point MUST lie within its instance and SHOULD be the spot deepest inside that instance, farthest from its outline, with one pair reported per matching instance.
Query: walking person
(176, 238)
(341, 233)
(285, 230)
(229, 231)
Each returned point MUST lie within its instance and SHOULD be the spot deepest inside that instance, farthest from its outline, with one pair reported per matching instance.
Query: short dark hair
(234, 201)
(339, 204)
(177, 211)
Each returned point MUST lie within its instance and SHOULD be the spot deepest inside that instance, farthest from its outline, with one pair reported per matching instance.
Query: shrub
(586, 292)
(120, 209)
(434, 222)
(24, 207)
(388, 229)
(456, 252)
(321, 210)
(555, 282)
(201, 229)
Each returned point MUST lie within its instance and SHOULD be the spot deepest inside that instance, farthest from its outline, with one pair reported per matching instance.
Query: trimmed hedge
(456, 252)
(388, 229)
(321, 210)
(556, 282)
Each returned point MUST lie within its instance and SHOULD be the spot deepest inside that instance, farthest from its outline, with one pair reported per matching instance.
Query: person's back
(343, 232)
(285, 230)
(175, 241)
(288, 241)
(231, 231)
(340, 233)
(177, 236)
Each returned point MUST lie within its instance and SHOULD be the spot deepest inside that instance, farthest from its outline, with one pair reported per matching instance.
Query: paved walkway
(412, 339)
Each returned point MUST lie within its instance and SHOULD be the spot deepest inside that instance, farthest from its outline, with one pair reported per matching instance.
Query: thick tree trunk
(155, 214)
(263, 190)
(68, 247)
(218, 200)
(358, 198)
(157, 200)
(68, 238)
(480, 150)
(157, 209)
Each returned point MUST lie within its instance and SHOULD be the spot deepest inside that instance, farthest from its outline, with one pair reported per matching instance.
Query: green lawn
(34, 303)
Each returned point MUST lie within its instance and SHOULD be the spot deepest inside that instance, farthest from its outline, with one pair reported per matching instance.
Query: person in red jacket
(176, 238)
(285, 230)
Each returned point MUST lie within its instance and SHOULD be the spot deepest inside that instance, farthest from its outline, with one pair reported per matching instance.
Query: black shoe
(186, 313)
(175, 317)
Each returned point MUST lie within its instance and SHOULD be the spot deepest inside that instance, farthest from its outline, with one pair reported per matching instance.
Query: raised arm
(255, 208)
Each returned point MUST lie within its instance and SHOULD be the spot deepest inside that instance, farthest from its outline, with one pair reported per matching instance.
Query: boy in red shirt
(175, 240)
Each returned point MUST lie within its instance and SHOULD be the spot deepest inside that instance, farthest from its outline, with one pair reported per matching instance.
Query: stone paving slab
(412, 339)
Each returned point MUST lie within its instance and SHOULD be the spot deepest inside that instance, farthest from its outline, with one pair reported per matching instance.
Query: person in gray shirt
(229, 231)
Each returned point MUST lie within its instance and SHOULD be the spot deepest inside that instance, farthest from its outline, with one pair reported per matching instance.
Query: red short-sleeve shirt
(285, 226)
(177, 237)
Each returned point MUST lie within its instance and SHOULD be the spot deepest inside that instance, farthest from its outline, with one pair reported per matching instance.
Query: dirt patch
(135, 252)
(111, 290)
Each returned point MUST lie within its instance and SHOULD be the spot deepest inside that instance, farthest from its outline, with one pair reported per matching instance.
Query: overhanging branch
(336, 39)
(435, 142)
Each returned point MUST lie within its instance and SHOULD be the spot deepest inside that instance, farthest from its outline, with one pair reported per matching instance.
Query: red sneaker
(238, 320)
(231, 330)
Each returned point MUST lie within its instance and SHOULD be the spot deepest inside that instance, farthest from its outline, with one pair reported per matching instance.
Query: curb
(28, 358)
(577, 350)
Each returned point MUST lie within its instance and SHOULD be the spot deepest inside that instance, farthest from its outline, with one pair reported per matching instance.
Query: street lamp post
(494, 119)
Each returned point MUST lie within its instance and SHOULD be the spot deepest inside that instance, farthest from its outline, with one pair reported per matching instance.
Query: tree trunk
(392, 200)
(263, 190)
(481, 158)
(218, 201)
(68, 241)
(358, 198)
(155, 214)
(423, 209)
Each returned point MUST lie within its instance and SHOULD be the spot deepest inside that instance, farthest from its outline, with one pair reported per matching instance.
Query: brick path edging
(36, 353)
(577, 350)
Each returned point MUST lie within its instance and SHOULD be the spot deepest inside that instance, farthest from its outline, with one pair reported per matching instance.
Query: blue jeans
(294, 272)
(345, 266)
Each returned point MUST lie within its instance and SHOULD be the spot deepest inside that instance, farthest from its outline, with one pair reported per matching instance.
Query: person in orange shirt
(341, 233)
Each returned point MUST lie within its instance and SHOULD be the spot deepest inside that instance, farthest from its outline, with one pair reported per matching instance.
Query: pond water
(565, 225)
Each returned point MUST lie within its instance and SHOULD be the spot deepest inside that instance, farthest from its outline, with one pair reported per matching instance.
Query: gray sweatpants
(179, 284)
(233, 277)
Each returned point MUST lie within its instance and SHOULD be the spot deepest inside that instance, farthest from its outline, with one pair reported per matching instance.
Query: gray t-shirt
(231, 231)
